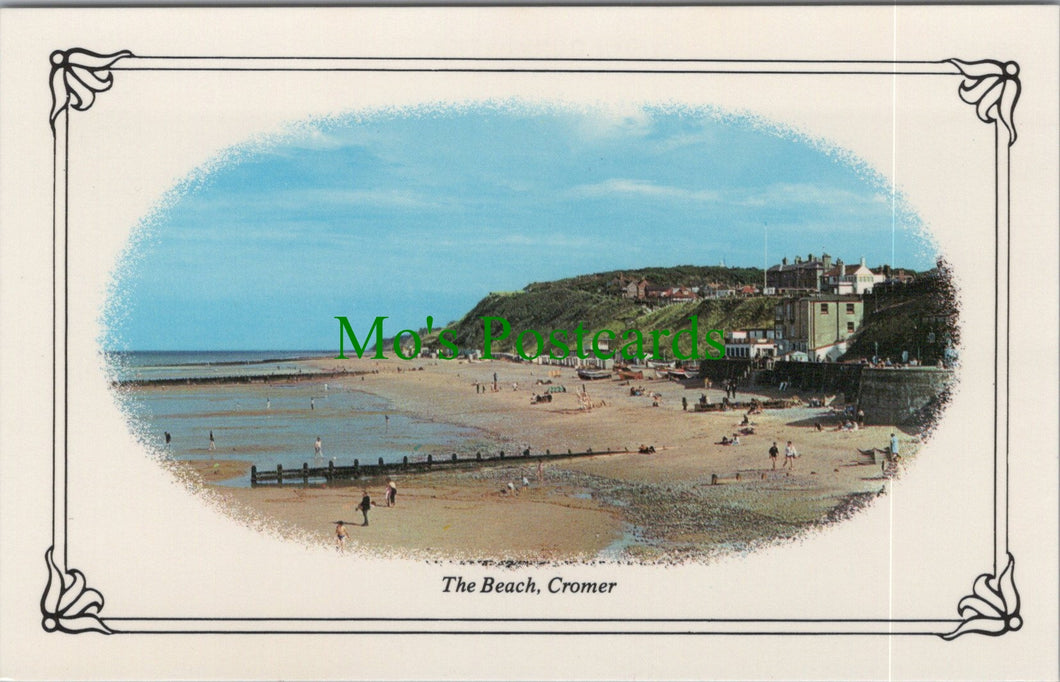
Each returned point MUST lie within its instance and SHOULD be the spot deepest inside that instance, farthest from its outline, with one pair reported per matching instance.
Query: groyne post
(305, 473)
(253, 475)
(279, 474)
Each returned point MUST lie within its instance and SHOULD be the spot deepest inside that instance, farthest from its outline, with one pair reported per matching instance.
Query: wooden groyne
(285, 377)
(332, 472)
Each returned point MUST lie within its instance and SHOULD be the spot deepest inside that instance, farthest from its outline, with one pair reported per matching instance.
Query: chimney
(798, 259)
(863, 261)
(809, 258)
(784, 260)
(827, 260)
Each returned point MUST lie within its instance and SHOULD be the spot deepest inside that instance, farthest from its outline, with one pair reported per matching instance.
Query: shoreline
(629, 506)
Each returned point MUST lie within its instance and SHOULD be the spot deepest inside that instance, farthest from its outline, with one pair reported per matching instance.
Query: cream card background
(153, 550)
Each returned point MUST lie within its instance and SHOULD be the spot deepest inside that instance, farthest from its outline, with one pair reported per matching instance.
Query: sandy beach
(623, 507)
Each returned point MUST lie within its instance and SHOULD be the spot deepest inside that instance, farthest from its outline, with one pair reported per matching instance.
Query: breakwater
(332, 473)
(281, 377)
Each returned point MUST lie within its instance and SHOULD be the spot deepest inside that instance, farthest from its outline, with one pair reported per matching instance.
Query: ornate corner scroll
(993, 608)
(77, 75)
(68, 604)
(994, 88)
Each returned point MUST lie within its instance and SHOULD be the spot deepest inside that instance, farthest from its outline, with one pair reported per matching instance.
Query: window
(824, 308)
(850, 327)
(850, 308)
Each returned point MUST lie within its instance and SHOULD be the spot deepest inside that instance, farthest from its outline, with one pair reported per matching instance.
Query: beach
(691, 499)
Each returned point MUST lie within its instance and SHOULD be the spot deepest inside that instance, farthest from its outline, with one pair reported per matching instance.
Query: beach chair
(867, 456)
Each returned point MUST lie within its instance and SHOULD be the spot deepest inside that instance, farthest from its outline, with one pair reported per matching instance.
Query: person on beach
(861, 417)
(391, 493)
(366, 504)
(386, 421)
(684, 404)
(540, 470)
(213, 446)
(340, 535)
(318, 448)
(789, 455)
(773, 452)
(894, 445)
(268, 403)
(312, 404)
(168, 437)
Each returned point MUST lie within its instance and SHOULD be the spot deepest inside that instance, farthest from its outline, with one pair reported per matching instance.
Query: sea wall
(724, 369)
(907, 396)
(816, 377)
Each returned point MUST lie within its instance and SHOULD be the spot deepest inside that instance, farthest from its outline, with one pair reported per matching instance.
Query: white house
(850, 279)
(751, 343)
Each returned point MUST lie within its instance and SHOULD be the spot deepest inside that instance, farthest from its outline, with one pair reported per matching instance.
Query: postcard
(529, 343)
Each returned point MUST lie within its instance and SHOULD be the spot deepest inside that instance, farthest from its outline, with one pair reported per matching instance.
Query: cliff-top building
(850, 279)
(802, 275)
(820, 275)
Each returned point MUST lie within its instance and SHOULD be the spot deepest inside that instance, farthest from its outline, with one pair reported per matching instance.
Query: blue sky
(424, 212)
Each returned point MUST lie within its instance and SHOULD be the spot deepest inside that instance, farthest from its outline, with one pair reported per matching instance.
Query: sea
(183, 364)
(274, 423)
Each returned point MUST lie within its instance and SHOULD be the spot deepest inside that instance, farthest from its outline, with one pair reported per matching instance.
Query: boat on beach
(592, 374)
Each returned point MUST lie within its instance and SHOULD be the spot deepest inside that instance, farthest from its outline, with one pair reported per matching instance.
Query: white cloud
(787, 194)
(298, 199)
(643, 188)
(622, 121)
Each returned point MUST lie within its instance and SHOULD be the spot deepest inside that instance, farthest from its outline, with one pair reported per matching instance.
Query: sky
(424, 212)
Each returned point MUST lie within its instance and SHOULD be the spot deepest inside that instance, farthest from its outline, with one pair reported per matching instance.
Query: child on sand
(340, 535)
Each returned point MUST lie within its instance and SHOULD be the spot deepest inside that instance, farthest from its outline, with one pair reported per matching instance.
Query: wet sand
(631, 506)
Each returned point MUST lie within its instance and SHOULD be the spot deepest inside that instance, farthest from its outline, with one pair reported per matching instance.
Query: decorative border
(69, 606)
